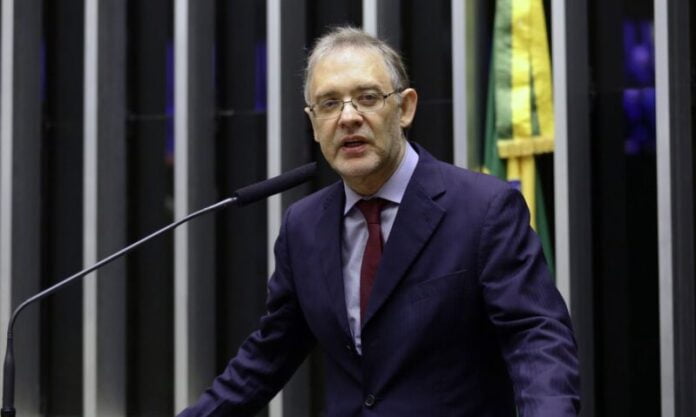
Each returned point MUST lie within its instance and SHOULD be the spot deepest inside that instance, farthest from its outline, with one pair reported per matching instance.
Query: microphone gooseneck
(241, 197)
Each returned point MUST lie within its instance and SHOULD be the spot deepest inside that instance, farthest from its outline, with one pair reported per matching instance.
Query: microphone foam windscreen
(282, 182)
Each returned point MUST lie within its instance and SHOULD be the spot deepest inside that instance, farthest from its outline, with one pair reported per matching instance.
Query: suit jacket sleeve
(269, 356)
(529, 315)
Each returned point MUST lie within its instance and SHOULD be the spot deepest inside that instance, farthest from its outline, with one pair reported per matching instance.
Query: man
(422, 283)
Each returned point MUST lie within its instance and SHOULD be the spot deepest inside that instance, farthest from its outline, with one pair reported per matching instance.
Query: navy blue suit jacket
(464, 318)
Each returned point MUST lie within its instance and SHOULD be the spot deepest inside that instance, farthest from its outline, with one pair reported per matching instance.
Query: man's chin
(355, 169)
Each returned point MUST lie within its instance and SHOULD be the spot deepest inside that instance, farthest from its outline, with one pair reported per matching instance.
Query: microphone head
(275, 185)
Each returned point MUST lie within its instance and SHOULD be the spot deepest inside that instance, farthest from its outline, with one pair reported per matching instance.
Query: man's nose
(350, 116)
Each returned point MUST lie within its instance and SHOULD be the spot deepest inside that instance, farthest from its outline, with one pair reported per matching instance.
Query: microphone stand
(241, 197)
(8, 409)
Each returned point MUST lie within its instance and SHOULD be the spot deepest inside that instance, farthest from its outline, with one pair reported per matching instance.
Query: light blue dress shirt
(355, 234)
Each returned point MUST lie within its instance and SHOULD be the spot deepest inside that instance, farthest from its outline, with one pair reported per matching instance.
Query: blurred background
(118, 117)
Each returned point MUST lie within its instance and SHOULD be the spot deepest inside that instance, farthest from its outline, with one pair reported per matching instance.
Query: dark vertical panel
(201, 188)
(625, 225)
(580, 195)
(111, 206)
(62, 314)
(296, 148)
(26, 197)
(389, 22)
(296, 141)
(150, 271)
(609, 216)
(241, 160)
(427, 47)
(680, 25)
(480, 32)
(324, 15)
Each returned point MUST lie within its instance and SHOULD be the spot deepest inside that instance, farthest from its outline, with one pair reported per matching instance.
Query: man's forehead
(352, 68)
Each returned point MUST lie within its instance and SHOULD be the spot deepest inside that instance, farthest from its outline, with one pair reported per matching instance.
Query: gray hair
(348, 36)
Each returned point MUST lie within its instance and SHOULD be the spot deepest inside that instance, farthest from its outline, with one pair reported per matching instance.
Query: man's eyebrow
(358, 88)
(324, 94)
(363, 87)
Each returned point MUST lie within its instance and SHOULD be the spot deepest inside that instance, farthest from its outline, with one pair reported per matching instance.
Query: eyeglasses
(366, 102)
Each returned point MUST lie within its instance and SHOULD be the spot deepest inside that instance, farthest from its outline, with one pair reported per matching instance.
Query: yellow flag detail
(531, 99)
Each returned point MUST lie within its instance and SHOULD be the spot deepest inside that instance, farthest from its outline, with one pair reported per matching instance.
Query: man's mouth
(353, 142)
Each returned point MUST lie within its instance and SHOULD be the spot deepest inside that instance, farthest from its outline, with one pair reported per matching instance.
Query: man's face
(364, 148)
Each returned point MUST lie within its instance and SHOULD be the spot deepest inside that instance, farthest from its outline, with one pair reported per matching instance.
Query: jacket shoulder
(471, 184)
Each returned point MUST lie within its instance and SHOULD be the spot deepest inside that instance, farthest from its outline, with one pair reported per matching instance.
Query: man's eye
(328, 105)
(368, 99)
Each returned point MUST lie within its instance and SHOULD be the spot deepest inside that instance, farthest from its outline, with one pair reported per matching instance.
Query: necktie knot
(371, 209)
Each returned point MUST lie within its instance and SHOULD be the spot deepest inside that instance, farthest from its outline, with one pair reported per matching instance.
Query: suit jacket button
(370, 401)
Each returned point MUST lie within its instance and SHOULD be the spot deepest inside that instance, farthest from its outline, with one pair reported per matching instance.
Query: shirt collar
(393, 190)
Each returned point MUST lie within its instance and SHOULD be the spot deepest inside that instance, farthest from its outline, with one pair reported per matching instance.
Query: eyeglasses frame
(344, 102)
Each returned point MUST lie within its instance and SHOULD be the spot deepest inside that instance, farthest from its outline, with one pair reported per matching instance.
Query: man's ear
(311, 120)
(409, 101)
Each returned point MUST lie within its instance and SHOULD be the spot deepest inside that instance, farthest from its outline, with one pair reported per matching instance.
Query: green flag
(519, 110)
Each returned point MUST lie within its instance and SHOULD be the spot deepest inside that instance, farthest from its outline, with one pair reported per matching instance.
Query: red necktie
(371, 209)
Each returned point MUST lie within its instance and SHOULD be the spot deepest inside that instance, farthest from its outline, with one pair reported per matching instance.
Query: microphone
(241, 197)
(267, 188)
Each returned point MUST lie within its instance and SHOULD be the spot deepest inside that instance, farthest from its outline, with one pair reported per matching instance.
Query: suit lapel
(328, 238)
(415, 222)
